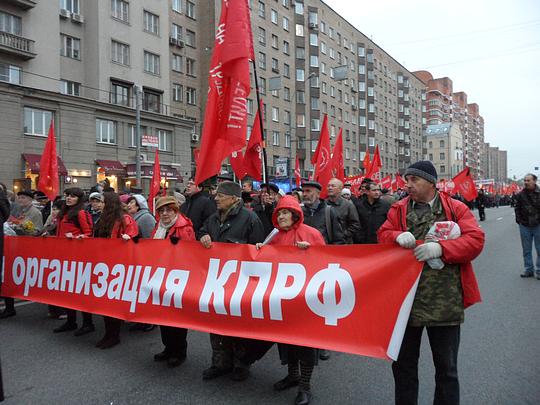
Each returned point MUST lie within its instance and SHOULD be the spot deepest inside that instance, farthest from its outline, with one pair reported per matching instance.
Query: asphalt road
(499, 356)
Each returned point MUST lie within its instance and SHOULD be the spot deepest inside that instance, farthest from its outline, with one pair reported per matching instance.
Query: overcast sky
(490, 49)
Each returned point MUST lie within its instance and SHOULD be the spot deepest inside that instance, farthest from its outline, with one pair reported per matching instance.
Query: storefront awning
(33, 161)
(111, 167)
(167, 171)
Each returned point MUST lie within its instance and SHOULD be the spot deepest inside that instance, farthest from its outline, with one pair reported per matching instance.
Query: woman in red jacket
(113, 223)
(174, 226)
(288, 218)
(74, 222)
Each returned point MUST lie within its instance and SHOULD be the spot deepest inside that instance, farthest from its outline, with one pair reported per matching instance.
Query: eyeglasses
(165, 209)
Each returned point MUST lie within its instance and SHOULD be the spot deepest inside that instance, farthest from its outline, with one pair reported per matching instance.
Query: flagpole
(264, 161)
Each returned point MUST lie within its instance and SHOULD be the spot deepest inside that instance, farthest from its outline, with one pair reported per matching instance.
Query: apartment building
(495, 163)
(442, 105)
(77, 62)
(444, 145)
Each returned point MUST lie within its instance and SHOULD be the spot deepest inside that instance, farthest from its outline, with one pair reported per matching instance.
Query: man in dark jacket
(481, 201)
(4, 215)
(345, 210)
(317, 215)
(372, 212)
(198, 206)
(264, 208)
(232, 223)
(528, 218)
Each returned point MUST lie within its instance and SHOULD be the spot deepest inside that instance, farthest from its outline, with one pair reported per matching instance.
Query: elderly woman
(288, 218)
(174, 226)
(137, 207)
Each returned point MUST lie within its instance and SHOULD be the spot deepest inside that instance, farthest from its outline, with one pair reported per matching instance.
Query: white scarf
(162, 230)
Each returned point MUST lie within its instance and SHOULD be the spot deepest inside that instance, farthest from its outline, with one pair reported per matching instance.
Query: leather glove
(406, 240)
(427, 251)
(174, 239)
(135, 239)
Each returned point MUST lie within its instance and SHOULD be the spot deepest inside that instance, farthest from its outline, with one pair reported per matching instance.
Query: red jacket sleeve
(186, 233)
(130, 226)
(390, 230)
(471, 242)
(85, 223)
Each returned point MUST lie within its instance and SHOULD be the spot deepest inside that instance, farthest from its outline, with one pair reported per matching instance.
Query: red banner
(353, 299)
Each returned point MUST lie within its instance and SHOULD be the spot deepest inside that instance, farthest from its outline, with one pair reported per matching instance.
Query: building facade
(496, 164)
(444, 145)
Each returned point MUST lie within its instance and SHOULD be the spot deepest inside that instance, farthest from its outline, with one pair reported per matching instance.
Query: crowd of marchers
(234, 213)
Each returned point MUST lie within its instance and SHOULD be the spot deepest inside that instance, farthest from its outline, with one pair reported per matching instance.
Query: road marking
(20, 304)
(498, 219)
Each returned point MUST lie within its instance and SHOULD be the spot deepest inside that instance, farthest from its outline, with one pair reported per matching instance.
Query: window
(133, 134)
(71, 47)
(10, 73)
(176, 31)
(314, 61)
(164, 140)
(190, 38)
(300, 75)
(314, 103)
(300, 120)
(177, 62)
(300, 97)
(441, 143)
(300, 53)
(262, 9)
(177, 5)
(287, 117)
(190, 67)
(315, 124)
(285, 24)
(191, 96)
(442, 169)
(299, 8)
(178, 92)
(275, 41)
(361, 51)
(37, 122)
(70, 5)
(275, 138)
(442, 156)
(362, 121)
(120, 93)
(313, 40)
(274, 16)
(299, 30)
(69, 87)
(371, 141)
(323, 47)
(120, 10)
(120, 53)
(287, 140)
(249, 106)
(262, 88)
(152, 100)
(286, 48)
(275, 114)
(262, 36)
(275, 65)
(151, 63)
(190, 9)
(286, 70)
(262, 60)
(10, 24)
(287, 94)
(151, 22)
(105, 131)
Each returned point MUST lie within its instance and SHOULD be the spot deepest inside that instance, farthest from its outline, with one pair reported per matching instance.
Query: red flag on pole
(367, 160)
(297, 173)
(323, 167)
(253, 155)
(324, 132)
(48, 167)
(337, 157)
(376, 163)
(400, 183)
(155, 183)
(237, 163)
(464, 184)
(386, 182)
(225, 119)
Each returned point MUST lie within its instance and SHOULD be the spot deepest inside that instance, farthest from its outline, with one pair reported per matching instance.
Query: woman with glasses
(114, 223)
(174, 226)
(73, 222)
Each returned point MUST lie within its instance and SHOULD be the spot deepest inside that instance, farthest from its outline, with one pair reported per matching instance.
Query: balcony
(17, 46)
(24, 4)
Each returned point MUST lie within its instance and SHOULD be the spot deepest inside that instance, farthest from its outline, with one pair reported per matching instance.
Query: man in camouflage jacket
(442, 295)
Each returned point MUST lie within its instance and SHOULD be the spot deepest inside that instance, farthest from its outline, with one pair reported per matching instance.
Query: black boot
(68, 326)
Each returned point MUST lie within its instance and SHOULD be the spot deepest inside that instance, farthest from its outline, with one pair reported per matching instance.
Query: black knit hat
(423, 169)
(230, 188)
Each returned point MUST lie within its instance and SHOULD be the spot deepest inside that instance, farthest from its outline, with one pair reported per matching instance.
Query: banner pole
(264, 162)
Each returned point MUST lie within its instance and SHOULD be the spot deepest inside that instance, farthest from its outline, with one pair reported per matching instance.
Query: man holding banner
(443, 294)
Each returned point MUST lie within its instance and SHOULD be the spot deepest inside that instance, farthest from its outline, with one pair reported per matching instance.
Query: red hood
(291, 203)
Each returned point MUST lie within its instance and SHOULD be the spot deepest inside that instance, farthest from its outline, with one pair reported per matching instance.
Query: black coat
(264, 212)
(198, 208)
(240, 226)
(528, 207)
(317, 219)
(4, 215)
(371, 218)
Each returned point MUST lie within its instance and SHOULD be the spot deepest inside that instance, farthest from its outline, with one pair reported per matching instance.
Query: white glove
(406, 240)
(427, 251)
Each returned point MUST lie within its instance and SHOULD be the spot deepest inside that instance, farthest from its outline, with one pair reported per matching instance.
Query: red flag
(464, 184)
(398, 182)
(297, 173)
(324, 132)
(253, 155)
(323, 168)
(367, 160)
(376, 163)
(237, 163)
(225, 119)
(196, 153)
(386, 182)
(337, 157)
(48, 167)
(155, 183)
